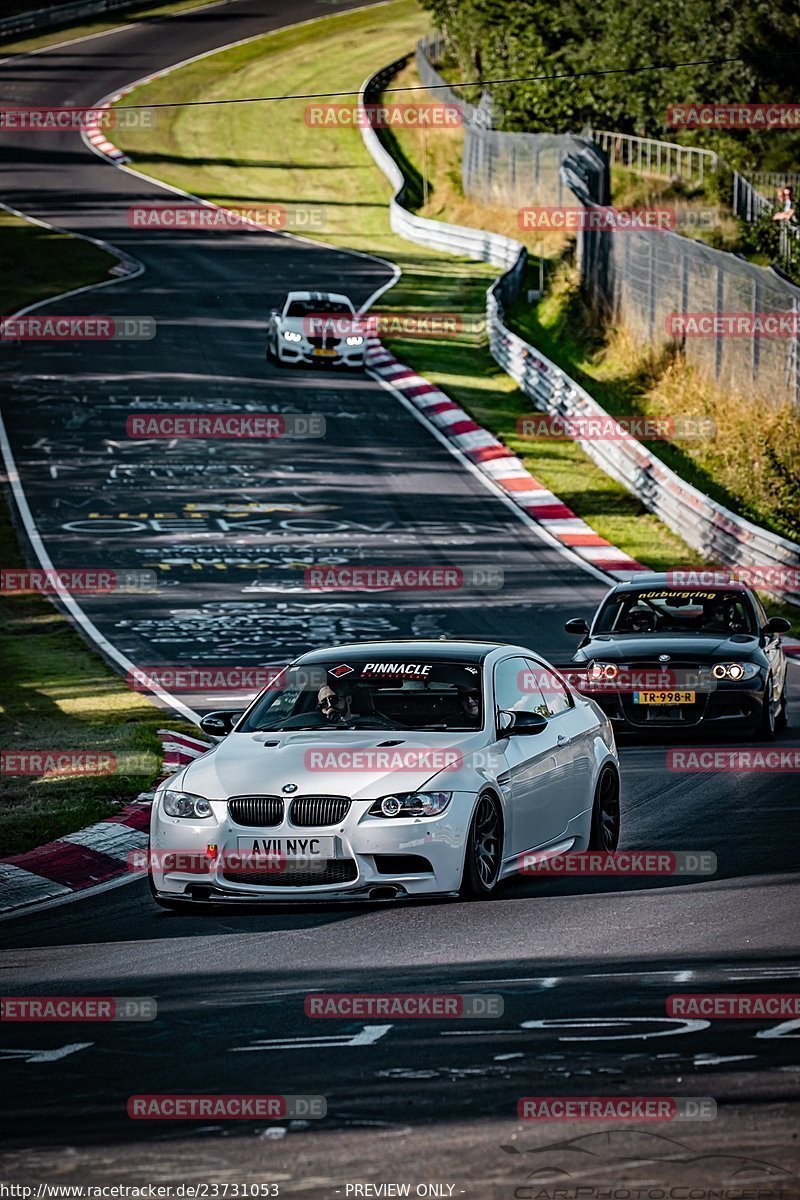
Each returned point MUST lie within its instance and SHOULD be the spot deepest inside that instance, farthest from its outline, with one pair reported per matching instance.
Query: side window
(517, 686)
(761, 615)
(557, 698)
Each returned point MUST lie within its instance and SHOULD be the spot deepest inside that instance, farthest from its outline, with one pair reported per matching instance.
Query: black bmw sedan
(664, 655)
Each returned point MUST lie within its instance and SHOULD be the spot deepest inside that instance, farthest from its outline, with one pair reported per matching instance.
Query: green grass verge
(57, 692)
(268, 153)
(36, 263)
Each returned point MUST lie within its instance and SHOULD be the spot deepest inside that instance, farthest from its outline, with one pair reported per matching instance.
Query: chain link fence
(641, 279)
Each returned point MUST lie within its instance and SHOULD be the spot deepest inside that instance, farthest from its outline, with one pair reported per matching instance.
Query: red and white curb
(96, 135)
(92, 856)
(503, 467)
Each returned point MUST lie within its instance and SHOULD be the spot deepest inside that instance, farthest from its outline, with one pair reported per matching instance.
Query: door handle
(562, 739)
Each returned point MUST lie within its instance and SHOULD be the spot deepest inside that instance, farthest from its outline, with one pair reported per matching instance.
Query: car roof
(318, 296)
(450, 650)
(665, 579)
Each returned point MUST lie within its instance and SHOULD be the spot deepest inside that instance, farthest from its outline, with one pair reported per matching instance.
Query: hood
(680, 647)
(324, 763)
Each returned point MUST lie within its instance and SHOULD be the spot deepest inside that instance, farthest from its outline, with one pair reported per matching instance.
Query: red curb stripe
(71, 865)
(521, 483)
(466, 426)
(439, 407)
(420, 389)
(617, 564)
(582, 539)
(487, 453)
(549, 512)
(137, 816)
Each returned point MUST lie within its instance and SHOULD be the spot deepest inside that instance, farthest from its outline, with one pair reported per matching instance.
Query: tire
(767, 727)
(604, 833)
(484, 853)
(272, 356)
(782, 716)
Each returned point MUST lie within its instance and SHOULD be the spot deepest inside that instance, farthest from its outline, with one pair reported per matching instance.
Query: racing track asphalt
(377, 489)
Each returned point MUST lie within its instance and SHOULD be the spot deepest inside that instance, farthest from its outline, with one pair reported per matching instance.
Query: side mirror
(218, 724)
(525, 724)
(576, 625)
(778, 625)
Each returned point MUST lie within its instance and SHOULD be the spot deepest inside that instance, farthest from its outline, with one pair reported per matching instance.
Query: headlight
(411, 804)
(735, 671)
(184, 804)
(603, 670)
(353, 340)
(290, 336)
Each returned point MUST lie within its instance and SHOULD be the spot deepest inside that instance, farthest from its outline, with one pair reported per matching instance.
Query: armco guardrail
(60, 14)
(717, 533)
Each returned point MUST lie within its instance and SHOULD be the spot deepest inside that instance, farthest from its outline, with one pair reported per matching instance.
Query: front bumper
(296, 353)
(374, 857)
(737, 706)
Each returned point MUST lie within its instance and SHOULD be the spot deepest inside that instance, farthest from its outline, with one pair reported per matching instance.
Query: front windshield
(404, 694)
(308, 308)
(670, 610)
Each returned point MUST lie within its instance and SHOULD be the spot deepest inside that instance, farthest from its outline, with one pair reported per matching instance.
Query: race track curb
(95, 855)
(499, 464)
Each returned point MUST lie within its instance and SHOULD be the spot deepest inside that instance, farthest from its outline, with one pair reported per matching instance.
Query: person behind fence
(785, 209)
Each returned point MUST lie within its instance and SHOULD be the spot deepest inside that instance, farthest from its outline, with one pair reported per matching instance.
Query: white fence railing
(720, 535)
(61, 14)
(649, 156)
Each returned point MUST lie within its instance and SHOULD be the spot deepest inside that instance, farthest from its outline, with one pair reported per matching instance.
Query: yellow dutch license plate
(324, 354)
(663, 697)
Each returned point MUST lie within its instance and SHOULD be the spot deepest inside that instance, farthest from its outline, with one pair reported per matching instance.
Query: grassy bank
(58, 693)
